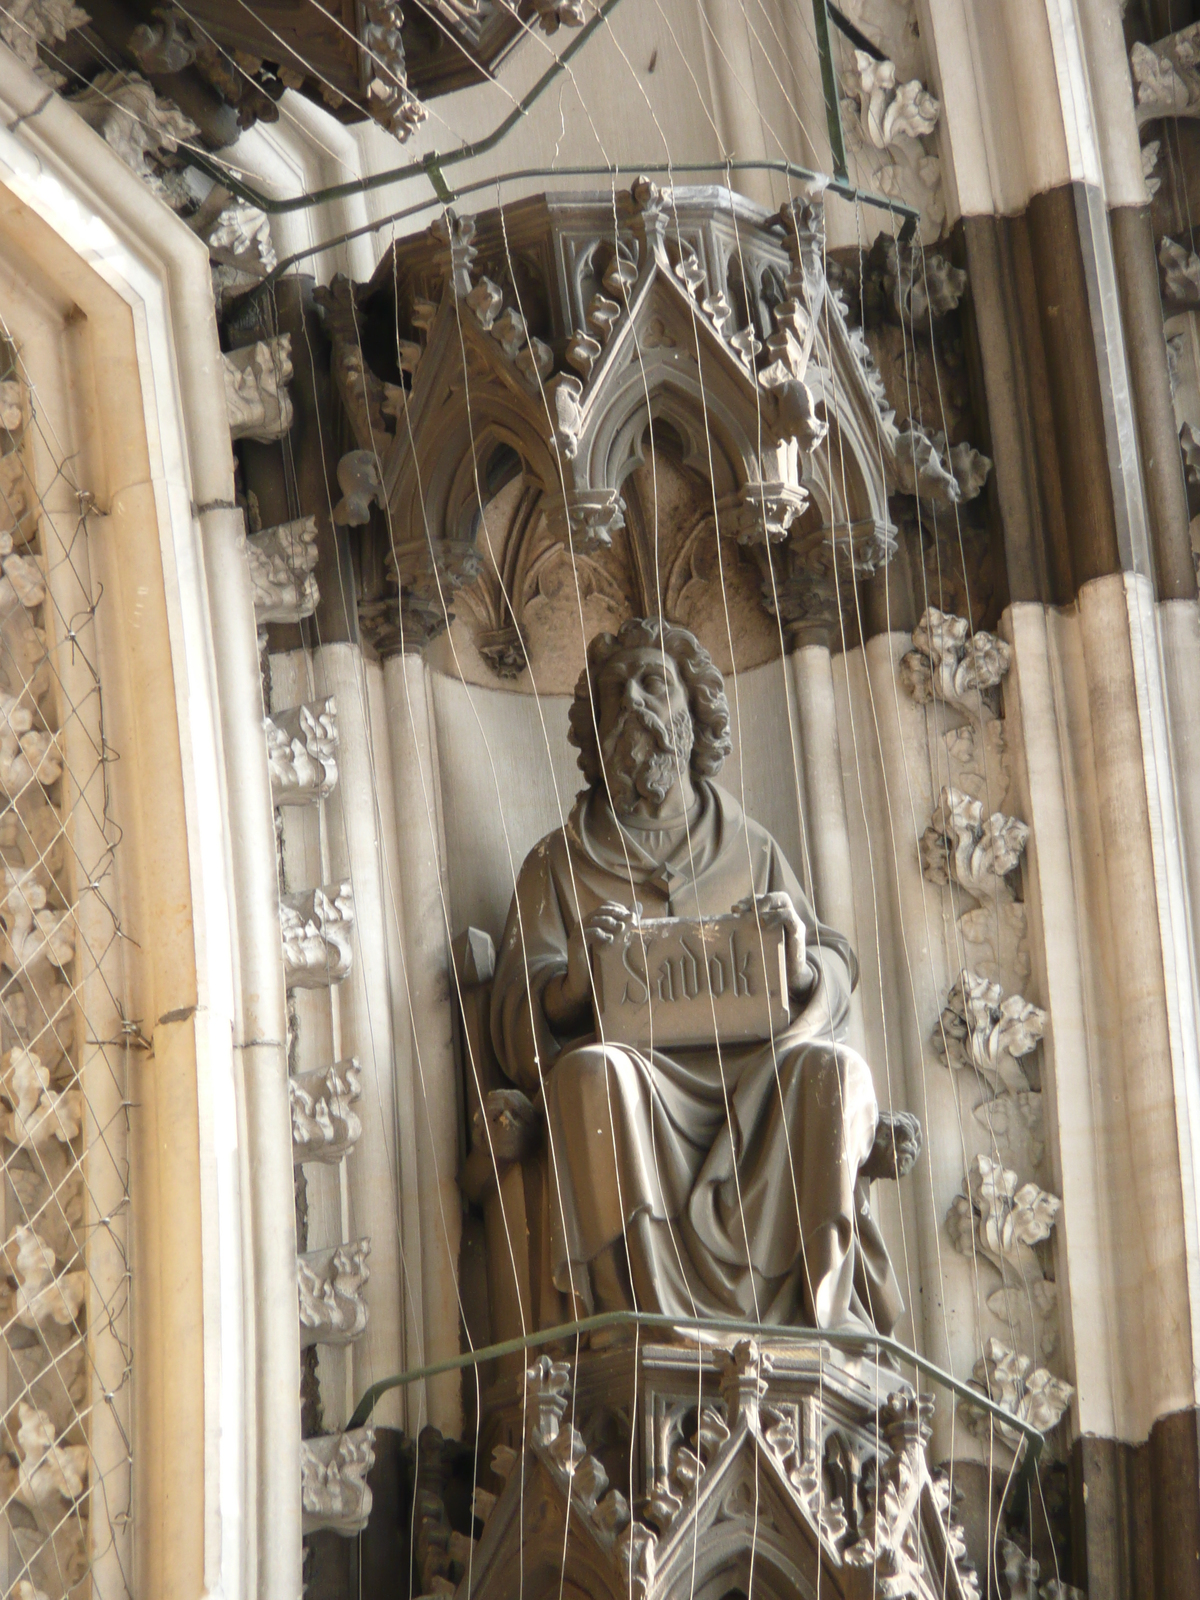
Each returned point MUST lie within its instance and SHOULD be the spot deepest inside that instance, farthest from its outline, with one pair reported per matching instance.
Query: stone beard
(644, 755)
(715, 1181)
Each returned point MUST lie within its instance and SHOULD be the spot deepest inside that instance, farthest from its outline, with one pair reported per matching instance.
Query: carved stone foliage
(1031, 1393)
(318, 932)
(256, 395)
(44, 1451)
(1166, 76)
(988, 1031)
(302, 752)
(389, 99)
(282, 560)
(559, 344)
(976, 853)
(1003, 1220)
(956, 665)
(907, 302)
(135, 122)
(983, 1028)
(969, 843)
(325, 1125)
(831, 1488)
(25, 24)
(333, 1481)
(889, 116)
(332, 1307)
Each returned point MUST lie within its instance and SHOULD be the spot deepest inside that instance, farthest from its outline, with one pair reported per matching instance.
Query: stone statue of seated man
(722, 1179)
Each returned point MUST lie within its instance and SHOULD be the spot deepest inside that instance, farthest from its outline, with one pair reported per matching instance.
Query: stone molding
(1003, 1217)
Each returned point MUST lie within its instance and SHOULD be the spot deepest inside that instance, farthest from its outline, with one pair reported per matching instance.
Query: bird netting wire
(64, 1473)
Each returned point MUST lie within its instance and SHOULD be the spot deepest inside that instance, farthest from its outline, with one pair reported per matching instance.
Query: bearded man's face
(645, 726)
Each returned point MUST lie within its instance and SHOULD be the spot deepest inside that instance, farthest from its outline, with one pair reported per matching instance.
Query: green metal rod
(789, 168)
(829, 83)
(843, 1338)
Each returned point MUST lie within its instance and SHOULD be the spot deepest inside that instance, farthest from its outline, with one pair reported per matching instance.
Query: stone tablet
(674, 982)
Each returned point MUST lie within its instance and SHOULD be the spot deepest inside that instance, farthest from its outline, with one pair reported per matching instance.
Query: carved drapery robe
(703, 1182)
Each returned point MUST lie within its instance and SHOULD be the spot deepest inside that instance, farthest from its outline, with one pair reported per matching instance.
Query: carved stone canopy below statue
(666, 1473)
(561, 337)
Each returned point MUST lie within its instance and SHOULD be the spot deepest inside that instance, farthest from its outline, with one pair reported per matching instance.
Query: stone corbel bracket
(333, 1481)
(332, 1307)
(318, 931)
(302, 752)
(257, 400)
(282, 560)
(325, 1126)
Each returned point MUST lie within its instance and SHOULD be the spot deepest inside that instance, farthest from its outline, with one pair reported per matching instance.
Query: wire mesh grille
(64, 1041)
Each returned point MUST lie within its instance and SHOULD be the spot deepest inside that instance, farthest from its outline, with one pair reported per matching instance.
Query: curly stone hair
(701, 678)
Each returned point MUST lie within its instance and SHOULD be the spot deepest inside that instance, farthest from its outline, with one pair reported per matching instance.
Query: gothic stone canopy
(564, 332)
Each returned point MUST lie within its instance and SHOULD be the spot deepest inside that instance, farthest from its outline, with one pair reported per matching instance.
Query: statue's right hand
(601, 927)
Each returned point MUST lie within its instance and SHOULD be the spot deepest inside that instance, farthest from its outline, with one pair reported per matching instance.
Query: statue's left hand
(778, 910)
